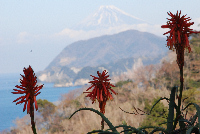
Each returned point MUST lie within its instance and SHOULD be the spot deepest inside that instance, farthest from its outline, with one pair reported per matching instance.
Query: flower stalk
(32, 120)
(102, 124)
(178, 39)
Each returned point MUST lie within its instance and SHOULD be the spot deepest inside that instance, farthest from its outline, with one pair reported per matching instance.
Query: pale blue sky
(32, 25)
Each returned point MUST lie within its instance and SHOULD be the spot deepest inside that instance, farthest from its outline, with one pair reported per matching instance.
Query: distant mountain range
(115, 53)
(105, 17)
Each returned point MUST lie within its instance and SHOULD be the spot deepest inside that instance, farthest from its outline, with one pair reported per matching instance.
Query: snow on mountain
(105, 17)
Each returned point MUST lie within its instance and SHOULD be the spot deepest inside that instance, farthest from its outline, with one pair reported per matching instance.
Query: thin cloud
(75, 35)
(82, 35)
(22, 37)
(25, 37)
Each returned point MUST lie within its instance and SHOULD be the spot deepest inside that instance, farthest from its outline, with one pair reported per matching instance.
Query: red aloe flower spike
(101, 86)
(28, 85)
(179, 33)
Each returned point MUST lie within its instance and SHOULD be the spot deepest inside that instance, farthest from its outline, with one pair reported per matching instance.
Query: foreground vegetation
(53, 119)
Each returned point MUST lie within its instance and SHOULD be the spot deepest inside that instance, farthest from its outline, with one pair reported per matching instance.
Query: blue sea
(9, 111)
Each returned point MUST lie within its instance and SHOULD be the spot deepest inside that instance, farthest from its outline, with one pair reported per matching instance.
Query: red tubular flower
(100, 90)
(179, 34)
(28, 86)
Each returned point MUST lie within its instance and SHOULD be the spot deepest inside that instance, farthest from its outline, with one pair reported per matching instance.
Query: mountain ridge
(111, 52)
(131, 39)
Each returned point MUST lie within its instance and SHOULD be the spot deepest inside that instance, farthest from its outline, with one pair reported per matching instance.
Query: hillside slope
(110, 48)
(114, 53)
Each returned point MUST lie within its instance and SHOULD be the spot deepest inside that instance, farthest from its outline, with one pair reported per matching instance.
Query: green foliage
(124, 122)
(120, 83)
(45, 107)
(192, 95)
(42, 104)
(152, 119)
(197, 49)
(192, 83)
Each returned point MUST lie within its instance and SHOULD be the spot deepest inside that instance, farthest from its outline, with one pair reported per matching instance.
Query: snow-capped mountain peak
(115, 9)
(107, 16)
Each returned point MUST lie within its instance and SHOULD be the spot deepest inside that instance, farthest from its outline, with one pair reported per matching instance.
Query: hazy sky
(35, 25)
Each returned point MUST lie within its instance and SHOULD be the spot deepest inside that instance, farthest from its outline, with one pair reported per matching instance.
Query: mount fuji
(106, 17)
